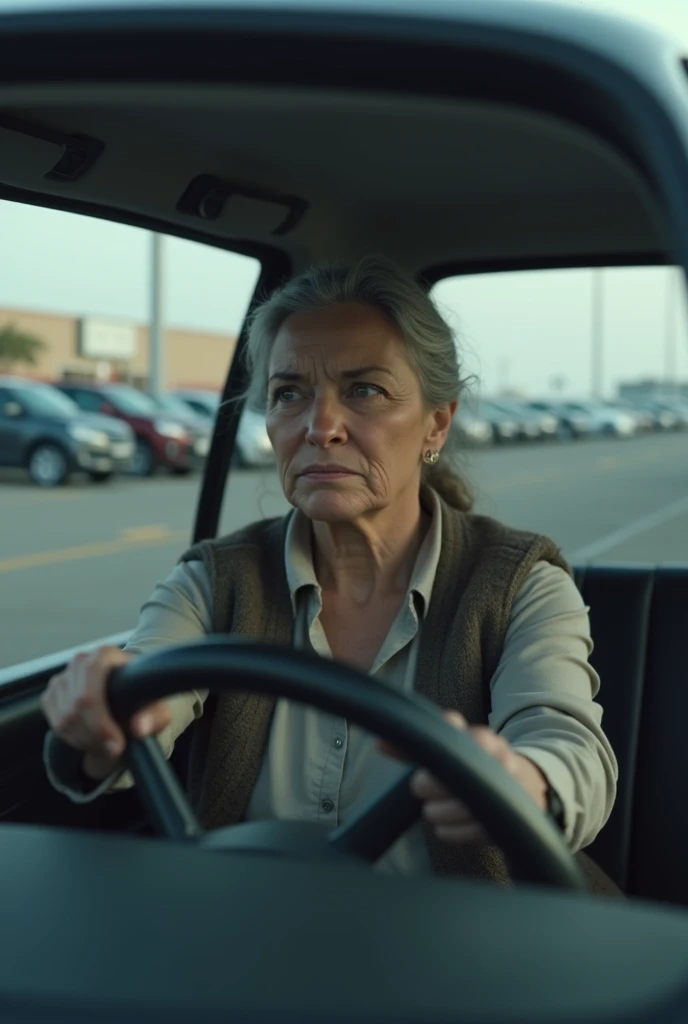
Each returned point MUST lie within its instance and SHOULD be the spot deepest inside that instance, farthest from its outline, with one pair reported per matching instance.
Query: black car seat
(639, 622)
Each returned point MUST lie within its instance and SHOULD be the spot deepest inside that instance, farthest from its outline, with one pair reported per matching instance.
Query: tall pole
(670, 337)
(597, 334)
(156, 361)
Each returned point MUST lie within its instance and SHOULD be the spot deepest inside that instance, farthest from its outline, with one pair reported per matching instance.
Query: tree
(18, 347)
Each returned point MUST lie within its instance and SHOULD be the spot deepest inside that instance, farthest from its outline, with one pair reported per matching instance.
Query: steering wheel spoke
(371, 832)
(164, 799)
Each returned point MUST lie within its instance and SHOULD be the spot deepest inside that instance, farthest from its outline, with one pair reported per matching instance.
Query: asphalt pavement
(77, 563)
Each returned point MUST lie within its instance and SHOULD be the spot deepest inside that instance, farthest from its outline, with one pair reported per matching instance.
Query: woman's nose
(325, 423)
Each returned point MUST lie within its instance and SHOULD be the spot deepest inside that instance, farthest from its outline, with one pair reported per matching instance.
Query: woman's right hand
(75, 705)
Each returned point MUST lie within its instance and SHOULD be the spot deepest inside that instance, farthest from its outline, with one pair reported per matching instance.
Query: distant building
(110, 349)
(653, 388)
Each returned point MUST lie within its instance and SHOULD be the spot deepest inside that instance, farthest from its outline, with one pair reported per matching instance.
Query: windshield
(131, 401)
(45, 401)
(173, 404)
(208, 399)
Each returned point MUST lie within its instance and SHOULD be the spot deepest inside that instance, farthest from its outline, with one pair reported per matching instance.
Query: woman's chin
(331, 506)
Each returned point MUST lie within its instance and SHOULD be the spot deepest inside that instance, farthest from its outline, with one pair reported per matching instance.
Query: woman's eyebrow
(361, 371)
(289, 375)
(358, 371)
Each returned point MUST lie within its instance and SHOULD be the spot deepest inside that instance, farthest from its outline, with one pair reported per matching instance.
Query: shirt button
(339, 742)
(327, 806)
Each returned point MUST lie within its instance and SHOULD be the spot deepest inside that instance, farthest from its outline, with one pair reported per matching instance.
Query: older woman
(381, 565)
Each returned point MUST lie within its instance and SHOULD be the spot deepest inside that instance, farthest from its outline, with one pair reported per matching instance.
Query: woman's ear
(440, 425)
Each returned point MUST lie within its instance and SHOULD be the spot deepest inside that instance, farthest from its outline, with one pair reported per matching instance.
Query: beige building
(109, 349)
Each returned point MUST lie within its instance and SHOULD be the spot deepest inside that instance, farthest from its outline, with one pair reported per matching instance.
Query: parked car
(504, 425)
(650, 409)
(645, 420)
(677, 409)
(606, 421)
(198, 426)
(472, 428)
(203, 402)
(252, 447)
(44, 431)
(533, 424)
(571, 423)
(162, 438)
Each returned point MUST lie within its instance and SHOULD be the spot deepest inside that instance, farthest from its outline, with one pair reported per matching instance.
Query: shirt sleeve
(178, 610)
(542, 700)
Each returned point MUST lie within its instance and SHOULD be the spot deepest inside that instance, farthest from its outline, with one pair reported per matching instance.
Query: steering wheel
(535, 849)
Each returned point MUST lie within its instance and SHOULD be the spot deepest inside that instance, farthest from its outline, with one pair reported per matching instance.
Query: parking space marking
(631, 530)
(134, 538)
(43, 498)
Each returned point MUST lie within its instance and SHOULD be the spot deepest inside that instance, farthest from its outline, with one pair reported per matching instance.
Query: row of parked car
(102, 429)
(501, 420)
(105, 428)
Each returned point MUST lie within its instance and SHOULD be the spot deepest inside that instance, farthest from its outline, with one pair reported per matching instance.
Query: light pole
(156, 358)
(597, 333)
(670, 336)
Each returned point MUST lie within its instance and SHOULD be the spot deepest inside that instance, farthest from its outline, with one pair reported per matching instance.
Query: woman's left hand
(451, 819)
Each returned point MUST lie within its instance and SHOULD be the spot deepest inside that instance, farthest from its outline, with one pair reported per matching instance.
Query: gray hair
(374, 281)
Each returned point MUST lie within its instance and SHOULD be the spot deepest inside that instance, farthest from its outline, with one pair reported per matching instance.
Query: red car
(162, 439)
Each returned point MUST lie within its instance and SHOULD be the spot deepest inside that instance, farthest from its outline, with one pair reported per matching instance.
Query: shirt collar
(298, 555)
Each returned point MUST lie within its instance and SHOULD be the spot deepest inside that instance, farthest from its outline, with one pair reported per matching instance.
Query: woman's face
(345, 413)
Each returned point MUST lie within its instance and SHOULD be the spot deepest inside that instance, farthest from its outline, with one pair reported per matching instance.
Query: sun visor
(28, 149)
(242, 209)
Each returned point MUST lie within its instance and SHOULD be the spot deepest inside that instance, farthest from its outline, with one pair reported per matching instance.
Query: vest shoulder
(492, 535)
(260, 534)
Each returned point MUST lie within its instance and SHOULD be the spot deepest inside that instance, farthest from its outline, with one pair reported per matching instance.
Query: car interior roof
(427, 180)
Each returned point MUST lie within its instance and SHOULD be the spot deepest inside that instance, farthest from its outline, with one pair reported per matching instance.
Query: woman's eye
(285, 394)
(365, 390)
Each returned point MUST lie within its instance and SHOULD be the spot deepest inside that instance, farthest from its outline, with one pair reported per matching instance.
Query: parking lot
(77, 562)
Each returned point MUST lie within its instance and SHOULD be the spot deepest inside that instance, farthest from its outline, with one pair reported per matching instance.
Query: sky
(525, 332)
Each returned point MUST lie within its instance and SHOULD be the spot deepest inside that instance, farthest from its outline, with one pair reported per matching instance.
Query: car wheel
(238, 460)
(180, 470)
(143, 462)
(48, 465)
(565, 432)
(100, 478)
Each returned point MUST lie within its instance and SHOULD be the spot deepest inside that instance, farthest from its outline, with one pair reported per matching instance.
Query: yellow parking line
(44, 498)
(134, 538)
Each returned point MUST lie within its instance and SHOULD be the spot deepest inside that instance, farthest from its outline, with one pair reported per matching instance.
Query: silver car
(253, 447)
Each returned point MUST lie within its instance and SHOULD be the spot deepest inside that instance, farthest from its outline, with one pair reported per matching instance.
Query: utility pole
(156, 357)
(597, 333)
(503, 374)
(670, 335)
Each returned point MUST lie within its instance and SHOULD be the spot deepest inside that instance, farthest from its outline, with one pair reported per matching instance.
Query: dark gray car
(45, 432)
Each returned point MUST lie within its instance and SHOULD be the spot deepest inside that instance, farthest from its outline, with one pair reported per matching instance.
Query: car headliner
(430, 179)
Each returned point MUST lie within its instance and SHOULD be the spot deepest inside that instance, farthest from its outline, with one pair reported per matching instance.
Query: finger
(425, 786)
(86, 718)
(151, 720)
(457, 835)
(447, 812)
(455, 718)
(491, 742)
(49, 698)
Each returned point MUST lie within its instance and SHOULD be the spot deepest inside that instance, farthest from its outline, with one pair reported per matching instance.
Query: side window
(96, 515)
(89, 401)
(575, 417)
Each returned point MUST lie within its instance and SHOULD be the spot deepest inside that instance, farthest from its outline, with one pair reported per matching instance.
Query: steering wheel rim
(535, 848)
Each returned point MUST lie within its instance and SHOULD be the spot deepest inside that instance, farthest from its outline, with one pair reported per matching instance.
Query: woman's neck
(371, 557)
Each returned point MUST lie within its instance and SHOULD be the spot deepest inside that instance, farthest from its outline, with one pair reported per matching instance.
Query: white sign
(107, 339)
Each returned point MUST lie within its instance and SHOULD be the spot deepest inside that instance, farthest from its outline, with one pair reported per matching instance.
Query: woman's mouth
(327, 473)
